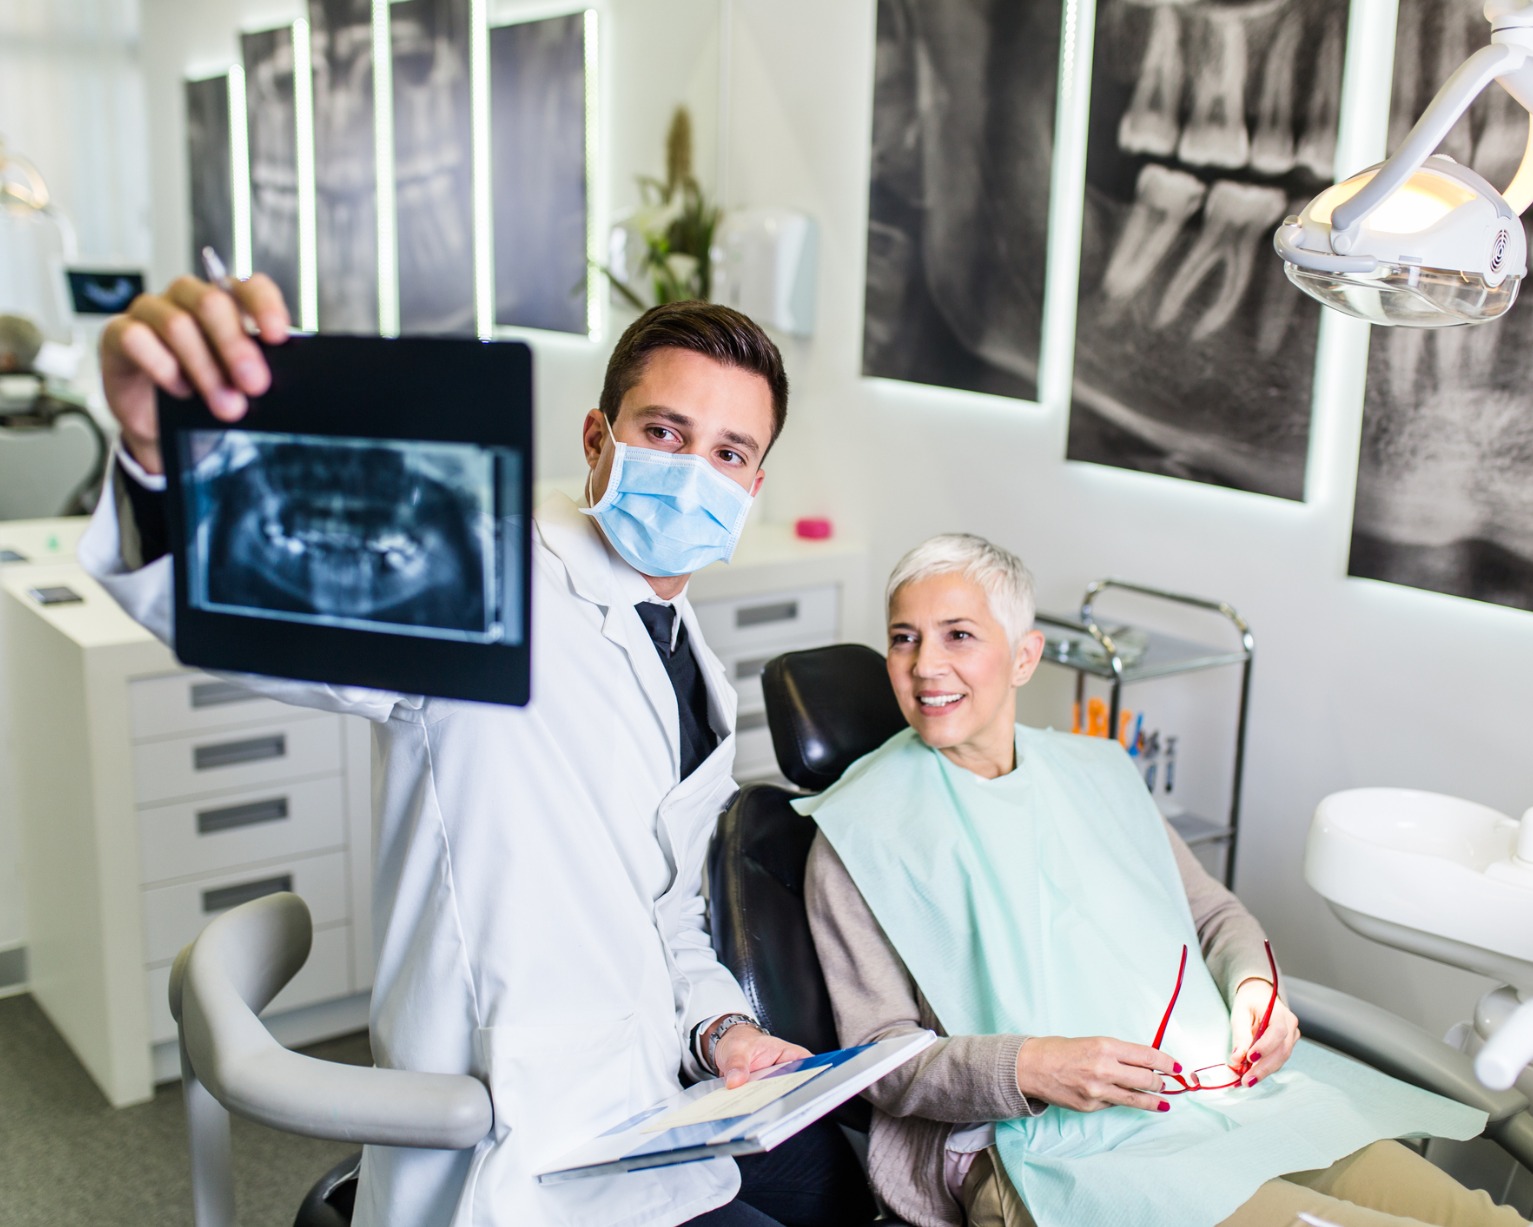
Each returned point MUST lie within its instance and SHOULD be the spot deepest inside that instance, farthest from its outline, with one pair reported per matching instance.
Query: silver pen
(216, 269)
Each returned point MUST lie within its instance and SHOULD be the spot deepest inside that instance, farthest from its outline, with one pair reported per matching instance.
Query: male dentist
(539, 917)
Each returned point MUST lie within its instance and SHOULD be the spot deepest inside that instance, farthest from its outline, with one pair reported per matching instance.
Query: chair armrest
(234, 968)
(1390, 1044)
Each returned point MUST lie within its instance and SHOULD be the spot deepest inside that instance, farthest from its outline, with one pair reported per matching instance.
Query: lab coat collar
(598, 575)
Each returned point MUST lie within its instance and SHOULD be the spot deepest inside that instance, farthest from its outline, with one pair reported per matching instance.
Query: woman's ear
(1029, 653)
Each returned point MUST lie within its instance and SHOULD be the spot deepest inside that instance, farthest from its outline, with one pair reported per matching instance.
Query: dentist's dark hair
(716, 332)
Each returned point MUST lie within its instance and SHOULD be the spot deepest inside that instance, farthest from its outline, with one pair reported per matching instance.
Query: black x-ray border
(406, 388)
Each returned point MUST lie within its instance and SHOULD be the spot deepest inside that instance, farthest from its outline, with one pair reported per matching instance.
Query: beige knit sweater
(960, 1079)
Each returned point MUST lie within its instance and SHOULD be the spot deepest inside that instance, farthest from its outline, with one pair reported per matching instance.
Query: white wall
(1356, 683)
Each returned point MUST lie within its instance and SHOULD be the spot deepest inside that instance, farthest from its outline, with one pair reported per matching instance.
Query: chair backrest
(826, 707)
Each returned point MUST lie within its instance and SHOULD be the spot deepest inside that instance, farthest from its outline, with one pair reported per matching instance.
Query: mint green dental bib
(1048, 902)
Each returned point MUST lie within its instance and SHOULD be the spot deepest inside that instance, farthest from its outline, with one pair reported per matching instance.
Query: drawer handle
(225, 897)
(231, 817)
(760, 615)
(216, 694)
(745, 670)
(750, 720)
(230, 753)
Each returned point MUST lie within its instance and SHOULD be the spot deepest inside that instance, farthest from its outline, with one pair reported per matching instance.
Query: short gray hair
(998, 572)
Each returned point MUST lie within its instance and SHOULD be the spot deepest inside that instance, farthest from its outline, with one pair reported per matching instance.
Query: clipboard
(706, 1121)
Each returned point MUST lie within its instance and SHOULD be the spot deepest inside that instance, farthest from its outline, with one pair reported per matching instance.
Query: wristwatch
(710, 1041)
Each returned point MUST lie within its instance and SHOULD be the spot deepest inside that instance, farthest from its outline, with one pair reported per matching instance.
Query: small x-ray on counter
(366, 523)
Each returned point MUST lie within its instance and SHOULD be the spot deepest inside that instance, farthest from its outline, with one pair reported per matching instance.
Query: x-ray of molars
(273, 137)
(345, 169)
(1210, 121)
(1445, 472)
(538, 168)
(377, 535)
(207, 163)
(432, 171)
(963, 134)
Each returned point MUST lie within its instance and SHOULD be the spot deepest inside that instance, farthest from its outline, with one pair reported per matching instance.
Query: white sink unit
(1441, 877)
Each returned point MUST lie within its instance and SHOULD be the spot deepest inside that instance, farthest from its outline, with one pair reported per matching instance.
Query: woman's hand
(1092, 1073)
(742, 1050)
(1269, 1050)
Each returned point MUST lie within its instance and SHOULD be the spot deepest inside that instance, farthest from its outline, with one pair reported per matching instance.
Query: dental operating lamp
(1419, 240)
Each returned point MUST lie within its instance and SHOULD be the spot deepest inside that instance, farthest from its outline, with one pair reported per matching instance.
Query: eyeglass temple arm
(1165, 1019)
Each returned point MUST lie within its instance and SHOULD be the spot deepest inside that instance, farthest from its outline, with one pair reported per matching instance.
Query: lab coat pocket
(554, 1087)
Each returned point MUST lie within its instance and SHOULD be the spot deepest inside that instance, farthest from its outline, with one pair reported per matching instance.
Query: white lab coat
(539, 921)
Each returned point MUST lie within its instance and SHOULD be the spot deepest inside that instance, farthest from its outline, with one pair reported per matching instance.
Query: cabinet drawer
(322, 978)
(194, 702)
(229, 759)
(190, 837)
(173, 915)
(743, 624)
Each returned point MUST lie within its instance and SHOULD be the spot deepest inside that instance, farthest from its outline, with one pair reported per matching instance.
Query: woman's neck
(990, 761)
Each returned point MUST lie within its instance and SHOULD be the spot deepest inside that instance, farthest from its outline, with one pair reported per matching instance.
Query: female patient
(1018, 892)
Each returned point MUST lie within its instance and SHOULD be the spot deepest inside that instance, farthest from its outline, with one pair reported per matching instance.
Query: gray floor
(66, 1157)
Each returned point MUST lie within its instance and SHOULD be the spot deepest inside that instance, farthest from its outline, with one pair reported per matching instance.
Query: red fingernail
(1176, 1068)
(1165, 1106)
(1251, 1082)
(1255, 1057)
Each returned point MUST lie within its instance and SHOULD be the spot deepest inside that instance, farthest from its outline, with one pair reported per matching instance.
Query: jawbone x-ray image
(1210, 121)
(958, 199)
(1444, 500)
(368, 534)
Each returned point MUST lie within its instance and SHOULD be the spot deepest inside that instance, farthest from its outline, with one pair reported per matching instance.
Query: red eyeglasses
(1212, 1077)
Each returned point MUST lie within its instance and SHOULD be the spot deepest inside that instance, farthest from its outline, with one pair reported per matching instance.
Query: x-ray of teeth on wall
(958, 209)
(1445, 471)
(270, 103)
(357, 533)
(538, 172)
(207, 160)
(432, 172)
(345, 169)
(1209, 123)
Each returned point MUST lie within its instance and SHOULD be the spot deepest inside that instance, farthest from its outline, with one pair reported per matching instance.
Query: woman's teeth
(939, 700)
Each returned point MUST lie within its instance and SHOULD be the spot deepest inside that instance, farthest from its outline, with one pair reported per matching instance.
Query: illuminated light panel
(383, 158)
(593, 250)
(239, 173)
(303, 118)
(479, 112)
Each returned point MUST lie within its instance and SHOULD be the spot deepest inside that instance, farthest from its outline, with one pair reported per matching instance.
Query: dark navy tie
(697, 736)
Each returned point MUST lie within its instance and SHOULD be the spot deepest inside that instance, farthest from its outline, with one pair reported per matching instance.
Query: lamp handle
(1452, 100)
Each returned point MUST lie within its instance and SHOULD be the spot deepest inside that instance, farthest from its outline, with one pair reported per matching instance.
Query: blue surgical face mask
(669, 514)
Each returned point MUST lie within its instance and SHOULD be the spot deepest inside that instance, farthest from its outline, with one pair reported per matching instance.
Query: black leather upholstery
(331, 1200)
(827, 707)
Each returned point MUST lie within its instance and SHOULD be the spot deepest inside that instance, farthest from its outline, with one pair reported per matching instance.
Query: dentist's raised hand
(191, 337)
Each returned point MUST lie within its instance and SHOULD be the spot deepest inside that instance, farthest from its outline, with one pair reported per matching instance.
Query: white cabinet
(152, 797)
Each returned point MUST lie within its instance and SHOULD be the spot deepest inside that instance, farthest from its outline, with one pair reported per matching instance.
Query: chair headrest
(826, 708)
